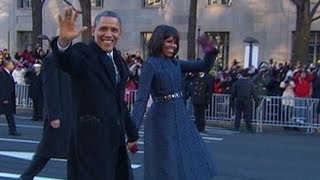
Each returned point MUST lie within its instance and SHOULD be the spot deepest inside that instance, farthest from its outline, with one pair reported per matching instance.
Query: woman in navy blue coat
(173, 147)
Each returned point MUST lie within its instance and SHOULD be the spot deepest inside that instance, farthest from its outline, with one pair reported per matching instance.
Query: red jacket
(303, 86)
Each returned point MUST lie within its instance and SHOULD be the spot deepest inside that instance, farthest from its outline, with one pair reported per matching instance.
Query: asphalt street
(275, 154)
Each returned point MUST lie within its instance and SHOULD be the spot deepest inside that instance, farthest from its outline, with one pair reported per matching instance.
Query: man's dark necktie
(118, 78)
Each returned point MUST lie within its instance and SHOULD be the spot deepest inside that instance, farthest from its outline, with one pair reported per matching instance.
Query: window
(24, 4)
(145, 39)
(222, 41)
(23, 39)
(96, 3)
(153, 3)
(314, 46)
(223, 2)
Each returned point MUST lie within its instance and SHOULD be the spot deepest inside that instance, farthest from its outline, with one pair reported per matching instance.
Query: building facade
(271, 22)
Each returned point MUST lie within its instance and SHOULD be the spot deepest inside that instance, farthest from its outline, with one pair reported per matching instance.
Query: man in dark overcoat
(7, 95)
(98, 148)
(57, 117)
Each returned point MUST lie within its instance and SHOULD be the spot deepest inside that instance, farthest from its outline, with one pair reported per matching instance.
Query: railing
(22, 97)
(270, 110)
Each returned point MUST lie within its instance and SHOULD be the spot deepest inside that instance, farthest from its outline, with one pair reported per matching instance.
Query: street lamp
(251, 41)
(43, 37)
(199, 29)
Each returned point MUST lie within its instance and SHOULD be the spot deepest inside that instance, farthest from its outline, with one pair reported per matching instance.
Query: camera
(287, 81)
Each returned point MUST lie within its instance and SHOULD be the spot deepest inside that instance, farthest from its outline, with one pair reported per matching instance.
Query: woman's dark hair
(161, 33)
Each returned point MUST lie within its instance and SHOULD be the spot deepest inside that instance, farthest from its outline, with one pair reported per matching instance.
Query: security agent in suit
(7, 95)
(98, 149)
(242, 93)
(58, 116)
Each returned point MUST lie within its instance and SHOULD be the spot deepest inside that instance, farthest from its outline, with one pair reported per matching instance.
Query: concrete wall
(4, 21)
(269, 21)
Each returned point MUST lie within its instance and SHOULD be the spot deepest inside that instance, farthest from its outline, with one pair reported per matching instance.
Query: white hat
(37, 65)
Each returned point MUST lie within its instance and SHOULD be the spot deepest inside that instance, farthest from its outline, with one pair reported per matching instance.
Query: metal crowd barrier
(22, 97)
(288, 112)
(270, 110)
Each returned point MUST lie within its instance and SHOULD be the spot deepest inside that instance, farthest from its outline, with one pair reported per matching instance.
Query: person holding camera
(287, 102)
(135, 68)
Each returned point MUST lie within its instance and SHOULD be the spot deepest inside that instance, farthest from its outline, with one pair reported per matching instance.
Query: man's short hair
(106, 13)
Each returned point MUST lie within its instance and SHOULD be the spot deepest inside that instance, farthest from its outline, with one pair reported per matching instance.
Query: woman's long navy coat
(174, 149)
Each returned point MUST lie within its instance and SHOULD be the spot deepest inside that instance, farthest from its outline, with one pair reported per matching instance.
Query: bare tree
(192, 29)
(86, 19)
(36, 20)
(305, 16)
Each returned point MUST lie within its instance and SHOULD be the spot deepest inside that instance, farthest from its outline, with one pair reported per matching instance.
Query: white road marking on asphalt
(32, 141)
(20, 140)
(24, 126)
(23, 117)
(212, 138)
(219, 130)
(24, 155)
(11, 175)
(19, 117)
(28, 156)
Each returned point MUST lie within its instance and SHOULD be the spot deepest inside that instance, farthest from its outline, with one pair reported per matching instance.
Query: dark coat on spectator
(35, 88)
(98, 148)
(57, 105)
(7, 92)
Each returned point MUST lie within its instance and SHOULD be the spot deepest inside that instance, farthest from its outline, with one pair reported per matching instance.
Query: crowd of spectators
(134, 63)
(24, 62)
(272, 79)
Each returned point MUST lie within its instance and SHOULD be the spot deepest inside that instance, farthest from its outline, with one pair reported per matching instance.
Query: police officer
(201, 97)
(36, 93)
(242, 92)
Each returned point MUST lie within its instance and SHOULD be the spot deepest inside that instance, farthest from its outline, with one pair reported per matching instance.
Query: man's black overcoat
(7, 92)
(97, 148)
(57, 105)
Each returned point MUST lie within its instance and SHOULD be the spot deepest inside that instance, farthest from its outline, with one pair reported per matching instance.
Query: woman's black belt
(168, 97)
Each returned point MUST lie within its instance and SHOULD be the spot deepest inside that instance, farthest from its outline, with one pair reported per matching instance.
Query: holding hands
(67, 26)
(133, 147)
(55, 123)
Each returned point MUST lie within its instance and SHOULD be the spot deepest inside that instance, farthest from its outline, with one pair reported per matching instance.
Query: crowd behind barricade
(27, 74)
(24, 61)
(134, 63)
(270, 79)
(285, 88)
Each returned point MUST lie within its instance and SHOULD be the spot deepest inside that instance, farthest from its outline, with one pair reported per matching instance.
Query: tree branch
(69, 3)
(314, 9)
(316, 18)
(296, 2)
